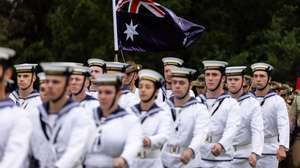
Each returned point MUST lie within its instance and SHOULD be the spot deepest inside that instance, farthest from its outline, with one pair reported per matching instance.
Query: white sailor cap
(81, 70)
(22, 68)
(4, 56)
(116, 66)
(108, 79)
(70, 64)
(6, 53)
(96, 62)
(58, 68)
(183, 72)
(148, 74)
(42, 77)
(215, 65)
(235, 70)
(262, 67)
(172, 61)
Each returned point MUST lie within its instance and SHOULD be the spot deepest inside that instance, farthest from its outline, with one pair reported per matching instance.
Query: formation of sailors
(113, 114)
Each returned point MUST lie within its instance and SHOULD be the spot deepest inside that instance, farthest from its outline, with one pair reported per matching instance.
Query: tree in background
(241, 32)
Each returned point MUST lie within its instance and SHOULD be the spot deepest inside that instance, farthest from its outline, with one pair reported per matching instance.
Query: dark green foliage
(241, 32)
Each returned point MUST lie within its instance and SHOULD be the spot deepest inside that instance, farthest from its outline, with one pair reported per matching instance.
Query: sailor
(198, 85)
(26, 96)
(78, 88)
(97, 66)
(249, 140)
(156, 123)
(43, 86)
(190, 122)
(127, 99)
(275, 116)
(131, 76)
(169, 63)
(119, 133)
(15, 126)
(62, 129)
(224, 114)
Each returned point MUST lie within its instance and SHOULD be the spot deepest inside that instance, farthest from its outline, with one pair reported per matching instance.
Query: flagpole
(114, 10)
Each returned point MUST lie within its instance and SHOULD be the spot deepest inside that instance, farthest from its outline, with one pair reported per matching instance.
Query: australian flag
(144, 25)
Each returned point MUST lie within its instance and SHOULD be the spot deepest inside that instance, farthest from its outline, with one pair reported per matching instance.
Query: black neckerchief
(171, 104)
(220, 100)
(44, 112)
(270, 93)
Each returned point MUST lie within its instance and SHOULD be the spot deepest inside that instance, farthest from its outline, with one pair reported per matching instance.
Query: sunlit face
(212, 79)
(25, 80)
(146, 90)
(167, 73)
(260, 79)
(180, 86)
(234, 83)
(107, 95)
(43, 92)
(55, 86)
(75, 83)
(95, 70)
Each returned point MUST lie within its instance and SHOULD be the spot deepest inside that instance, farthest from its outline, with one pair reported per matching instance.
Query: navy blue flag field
(143, 25)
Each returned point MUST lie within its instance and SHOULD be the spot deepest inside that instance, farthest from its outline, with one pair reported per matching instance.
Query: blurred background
(240, 32)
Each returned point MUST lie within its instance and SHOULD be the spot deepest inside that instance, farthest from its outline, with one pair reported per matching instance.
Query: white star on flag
(130, 31)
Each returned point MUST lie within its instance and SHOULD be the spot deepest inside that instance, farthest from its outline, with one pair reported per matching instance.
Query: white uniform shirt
(156, 125)
(250, 135)
(89, 103)
(224, 121)
(276, 122)
(189, 130)
(118, 135)
(65, 144)
(128, 99)
(15, 130)
(93, 94)
(31, 101)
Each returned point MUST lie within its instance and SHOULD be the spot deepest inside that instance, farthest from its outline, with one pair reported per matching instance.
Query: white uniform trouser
(267, 161)
(240, 163)
(211, 164)
(240, 159)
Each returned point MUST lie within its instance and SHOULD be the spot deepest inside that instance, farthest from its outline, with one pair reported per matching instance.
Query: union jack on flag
(144, 25)
(134, 6)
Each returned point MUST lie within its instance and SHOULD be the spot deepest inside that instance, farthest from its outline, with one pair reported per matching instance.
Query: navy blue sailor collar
(6, 103)
(33, 94)
(151, 111)
(88, 98)
(245, 96)
(190, 102)
(223, 96)
(69, 105)
(270, 93)
(125, 89)
(98, 114)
